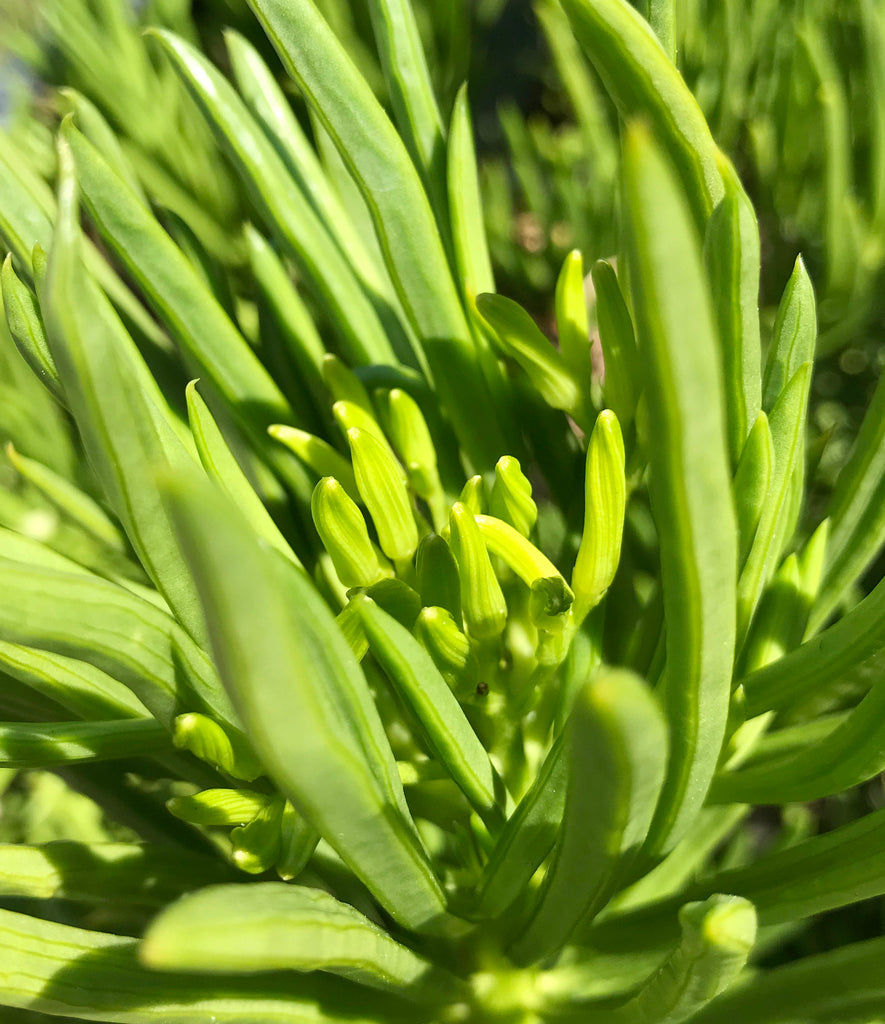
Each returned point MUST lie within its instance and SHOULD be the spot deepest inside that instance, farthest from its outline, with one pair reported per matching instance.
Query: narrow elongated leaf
(527, 838)
(622, 376)
(472, 258)
(843, 984)
(417, 680)
(411, 94)
(125, 435)
(77, 686)
(690, 479)
(269, 626)
(376, 157)
(851, 651)
(281, 202)
(83, 616)
(26, 327)
(856, 511)
(795, 332)
(143, 874)
(52, 968)
(732, 257)
(787, 423)
(39, 745)
(271, 926)
(643, 83)
(751, 482)
(616, 741)
(223, 468)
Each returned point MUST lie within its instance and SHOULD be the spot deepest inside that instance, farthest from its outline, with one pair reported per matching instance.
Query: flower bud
(605, 496)
(450, 650)
(256, 845)
(512, 496)
(225, 748)
(482, 601)
(344, 534)
(411, 438)
(473, 495)
(298, 840)
(218, 806)
(317, 455)
(380, 481)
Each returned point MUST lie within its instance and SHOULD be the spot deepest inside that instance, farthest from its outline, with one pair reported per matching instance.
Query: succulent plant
(423, 669)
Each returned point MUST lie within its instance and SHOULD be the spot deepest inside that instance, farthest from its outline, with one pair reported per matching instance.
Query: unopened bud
(344, 534)
(450, 650)
(379, 478)
(256, 846)
(224, 747)
(317, 455)
(512, 496)
(482, 601)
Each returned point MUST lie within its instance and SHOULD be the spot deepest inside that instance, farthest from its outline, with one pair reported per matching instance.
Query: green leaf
(52, 968)
(126, 435)
(731, 252)
(411, 94)
(717, 937)
(39, 745)
(842, 984)
(318, 455)
(850, 652)
(795, 332)
(222, 467)
(644, 83)
(438, 580)
(690, 479)
(857, 512)
(787, 424)
(132, 873)
(622, 373)
(269, 626)
(271, 926)
(420, 685)
(75, 685)
(25, 324)
(751, 482)
(472, 258)
(379, 163)
(83, 616)
(616, 742)
(281, 202)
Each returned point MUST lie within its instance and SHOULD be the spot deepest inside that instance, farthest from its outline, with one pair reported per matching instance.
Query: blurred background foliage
(794, 91)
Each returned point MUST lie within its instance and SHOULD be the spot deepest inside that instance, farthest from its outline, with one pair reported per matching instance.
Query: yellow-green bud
(450, 650)
(411, 438)
(379, 478)
(224, 747)
(218, 806)
(572, 319)
(317, 455)
(473, 495)
(482, 601)
(298, 840)
(256, 845)
(344, 534)
(349, 416)
(605, 496)
(512, 496)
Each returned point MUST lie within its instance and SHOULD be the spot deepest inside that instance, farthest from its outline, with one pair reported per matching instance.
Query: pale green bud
(256, 845)
(512, 496)
(605, 498)
(572, 319)
(450, 650)
(551, 596)
(225, 748)
(228, 807)
(482, 601)
(350, 416)
(317, 455)
(473, 495)
(344, 385)
(411, 438)
(298, 840)
(344, 534)
(380, 480)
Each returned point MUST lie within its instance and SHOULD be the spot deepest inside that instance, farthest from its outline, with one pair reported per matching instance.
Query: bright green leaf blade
(272, 926)
(420, 685)
(38, 745)
(643, 83)
(690, 479)
(268, 627)
(751, 481)
(622, 372)
(133, 873)
(83, 616)
(223, 468)
(616, 739)
(379, 162)
(794, 335)
(25, 324)
(64, 971)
